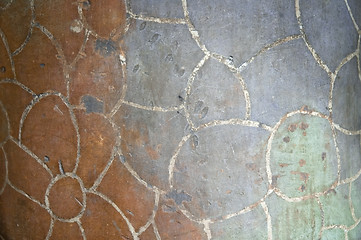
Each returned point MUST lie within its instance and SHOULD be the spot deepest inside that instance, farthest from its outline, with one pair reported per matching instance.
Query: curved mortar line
(350, 203)
(234, 121)
(151, 218)
(358, 56)
(50, 231)
(81, 229)
(16, 82)
(351, 15)
(322, 217)
(30, 31)
(334, 135)
(156, 19)
(350, 179)
(2, 108)
(269, 220)
(315, 55)
(154, 108)
(155, 230)
(346, 131)
(207, 229)
(4, 8)
(109, 201)
(6, 171)
(86, 26)
(5, 42)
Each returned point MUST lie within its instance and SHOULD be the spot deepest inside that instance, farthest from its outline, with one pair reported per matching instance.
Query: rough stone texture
(180, 119)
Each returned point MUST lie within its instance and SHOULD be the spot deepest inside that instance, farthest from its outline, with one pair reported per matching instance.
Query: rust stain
(153, 154)
(303, 176)
(292, 127)
(303, 126)
(251, 166)
(302, 162)
(323, 156)
(302, 188)
(282, 165)
(304, 134)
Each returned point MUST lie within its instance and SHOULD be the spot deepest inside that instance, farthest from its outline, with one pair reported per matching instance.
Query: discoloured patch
(303, 176)
(286, 139)
(179, 196)
(292, 127)
(105, 47)
(303, 126)
(302, 162)
(92, 104)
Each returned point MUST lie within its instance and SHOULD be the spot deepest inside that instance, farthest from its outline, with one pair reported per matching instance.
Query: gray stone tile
(241, 28)
(283, 80)
(160, 58)
(329, 29)
(157, 8)
(350, 153)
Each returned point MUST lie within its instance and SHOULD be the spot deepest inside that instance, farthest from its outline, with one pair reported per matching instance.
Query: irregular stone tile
(303, 156)
(15, 100)
(49, 133)
(329, 30)
(133, 198)
(333, 234)
(3, 171)
(21, 218)
(4, 125)
(210, 163)
(15, 22)
(294, 220)
(65, 27)
(5, 65)
(157, 8)
(228, 27)
(25, 172)
(63, 230)
(98, 75)
(102, 220)
(65, 197)
(251, 225)
(105, 17)
(350, 154)
(355, 233)
(172, 224)
(347, 96)
(216, 94)
(149, 140)
(160, 58)
(336, 208)
(148, 234)
(355, 7)
(40, 69)
(355, 196)
(283, 80)
(97, 139)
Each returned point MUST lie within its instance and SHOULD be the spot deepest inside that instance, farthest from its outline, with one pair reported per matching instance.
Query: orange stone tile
(21, 218)
(106, 17)
(148, 234)
(15, 22)
(2, 171)
(15, 100)
(97, 139)
(102, 221)
(38, 67)
(49, 133)
(133, 198)
(25, 172)
(64, 230)
(5, 65)
(66, 198)
(99, 75)
(4, 132)
(64, 25)
(172, 224)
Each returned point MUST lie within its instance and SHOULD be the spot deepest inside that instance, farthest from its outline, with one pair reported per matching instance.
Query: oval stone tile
(207, 170)
(303, 156)
(329, 29)
(216, 94)
(347, 97)
(160, 59)
(49, 132)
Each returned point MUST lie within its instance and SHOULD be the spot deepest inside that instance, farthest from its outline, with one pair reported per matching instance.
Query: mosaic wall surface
(180, 119)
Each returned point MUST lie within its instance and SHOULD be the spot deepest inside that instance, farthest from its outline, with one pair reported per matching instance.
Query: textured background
(180, 119)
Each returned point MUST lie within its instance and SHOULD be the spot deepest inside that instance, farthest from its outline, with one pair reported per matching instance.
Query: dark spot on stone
(274, 180)
(46, 159)
(286, 139)
(86, 4)
(292, 127)
(251, 166)
(92, 104)
(323, 156)
(105, 47)
(304, 134)
(136, 68)
(179, 196)
(180, 71)
(303, 126)
(282, 165)
(154, 38)
(122, 158)
(331, 191)
(305, 109)
(169, 58)
(42, 65)
(198, 106)
(169, 209)
(302, 188)
(194, 142)
(203, 113)
(2, 69)
(302, 162)
(181, 99)
(142, 26)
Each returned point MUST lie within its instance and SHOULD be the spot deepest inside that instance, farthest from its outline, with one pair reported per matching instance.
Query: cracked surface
(133, 119)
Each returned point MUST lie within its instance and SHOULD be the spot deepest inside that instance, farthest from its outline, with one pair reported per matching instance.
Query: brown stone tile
(97, 139)
(64, 25)
(15, 22)
(49, 132)
(21, 218)
(172, 224)
(98, 75)
(37, 66)
(5, 65)
(2, 171)
(25, 172)
(64, 230)
(102, 221)
(15, 100)
(65, 198)
(148, 234)
(133, 198)
(106, 17)
(4, 133)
